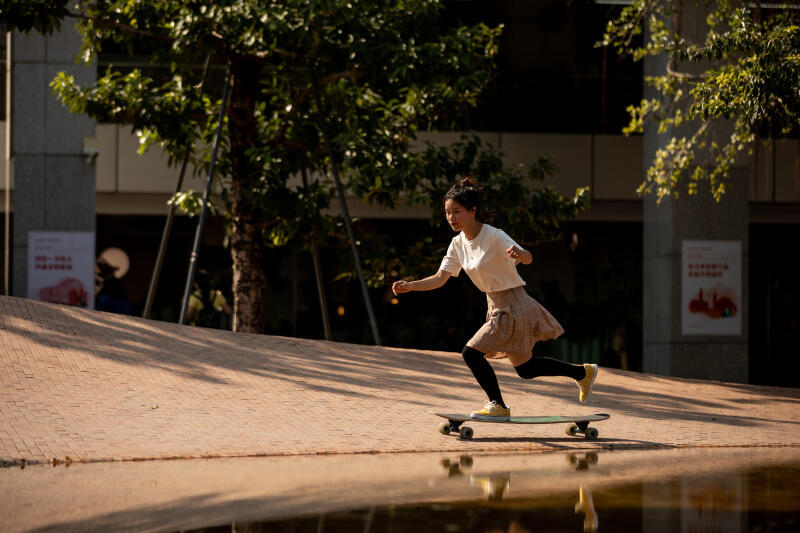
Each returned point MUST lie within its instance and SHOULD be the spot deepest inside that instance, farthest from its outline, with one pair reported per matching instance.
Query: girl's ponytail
(465, 193)
(467, 182)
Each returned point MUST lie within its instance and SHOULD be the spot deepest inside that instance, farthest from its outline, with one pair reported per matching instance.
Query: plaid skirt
(514, 323)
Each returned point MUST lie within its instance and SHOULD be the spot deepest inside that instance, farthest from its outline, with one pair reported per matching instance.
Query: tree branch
(279, 136)
(684, 75)
(677, 24)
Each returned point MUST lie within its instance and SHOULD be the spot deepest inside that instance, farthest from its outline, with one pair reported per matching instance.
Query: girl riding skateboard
(514, 320)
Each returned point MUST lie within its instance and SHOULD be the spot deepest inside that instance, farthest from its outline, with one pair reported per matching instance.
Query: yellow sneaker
(492, 411)
(585, 385)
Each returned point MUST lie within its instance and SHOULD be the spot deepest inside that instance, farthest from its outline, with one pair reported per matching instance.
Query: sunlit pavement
(84, 386)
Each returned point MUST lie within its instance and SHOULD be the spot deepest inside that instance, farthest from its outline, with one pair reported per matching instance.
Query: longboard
(577, 424)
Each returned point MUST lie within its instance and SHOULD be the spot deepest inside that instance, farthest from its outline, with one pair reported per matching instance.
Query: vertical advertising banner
(61, 267)
(711, 288)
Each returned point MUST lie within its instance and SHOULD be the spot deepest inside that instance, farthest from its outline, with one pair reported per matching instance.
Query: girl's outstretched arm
(426, 284)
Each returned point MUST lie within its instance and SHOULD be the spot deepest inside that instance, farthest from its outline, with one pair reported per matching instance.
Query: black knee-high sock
(484, 373)
(547, 366)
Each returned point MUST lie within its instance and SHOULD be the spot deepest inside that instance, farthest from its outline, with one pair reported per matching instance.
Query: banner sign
(61, 267)
(711, 288)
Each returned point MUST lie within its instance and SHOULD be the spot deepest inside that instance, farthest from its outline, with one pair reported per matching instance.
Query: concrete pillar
(666, 350)
(53, 183)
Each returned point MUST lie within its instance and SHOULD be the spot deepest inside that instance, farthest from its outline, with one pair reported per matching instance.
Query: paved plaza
(86, 386)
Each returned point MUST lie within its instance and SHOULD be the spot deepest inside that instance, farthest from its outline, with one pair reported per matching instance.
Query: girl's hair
(465, 193)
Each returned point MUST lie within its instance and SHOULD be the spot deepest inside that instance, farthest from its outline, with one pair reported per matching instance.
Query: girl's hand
(518, 254)
(514, 252)
(400, 287)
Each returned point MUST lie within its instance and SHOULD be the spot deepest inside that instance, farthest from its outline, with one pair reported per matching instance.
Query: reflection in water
(582, 463)
(759, 499)
(494, 485)
(456, 467)
(585, 506)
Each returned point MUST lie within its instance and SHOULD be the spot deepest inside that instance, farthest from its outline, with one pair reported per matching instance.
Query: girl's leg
(547, 366)
(484, 373)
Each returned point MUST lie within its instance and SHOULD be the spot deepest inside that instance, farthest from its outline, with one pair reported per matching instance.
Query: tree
(744, 74)
(382, 68)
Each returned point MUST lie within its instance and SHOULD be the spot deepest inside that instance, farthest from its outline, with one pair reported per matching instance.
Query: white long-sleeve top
(484, 259)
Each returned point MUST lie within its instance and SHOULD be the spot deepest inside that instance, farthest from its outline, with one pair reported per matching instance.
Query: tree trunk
(247, 249)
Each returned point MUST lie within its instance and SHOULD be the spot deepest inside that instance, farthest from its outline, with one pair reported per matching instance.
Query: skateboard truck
(454, 426)
(581, 427)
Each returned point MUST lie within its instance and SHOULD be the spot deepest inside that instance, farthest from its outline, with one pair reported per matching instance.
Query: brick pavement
(93, 386)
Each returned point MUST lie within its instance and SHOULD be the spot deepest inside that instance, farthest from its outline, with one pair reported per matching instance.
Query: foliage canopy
(744, 72)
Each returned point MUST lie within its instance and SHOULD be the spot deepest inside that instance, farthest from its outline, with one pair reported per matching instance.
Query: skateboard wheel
(444, 429)
(572, 429)
(465, 432)
(591, 433)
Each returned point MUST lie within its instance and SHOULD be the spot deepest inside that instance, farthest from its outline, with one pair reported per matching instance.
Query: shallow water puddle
(682, 490)
(760, 499)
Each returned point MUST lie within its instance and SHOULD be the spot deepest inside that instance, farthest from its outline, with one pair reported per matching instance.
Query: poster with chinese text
(61, 267)
(711, 288)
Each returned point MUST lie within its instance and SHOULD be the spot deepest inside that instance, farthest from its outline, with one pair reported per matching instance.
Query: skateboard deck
(576, 424)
